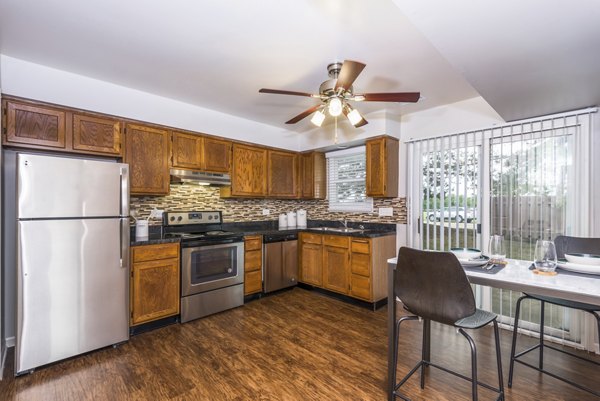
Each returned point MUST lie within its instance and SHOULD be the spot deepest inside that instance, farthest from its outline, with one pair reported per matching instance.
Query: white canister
(291, 219)
(141, 230)
(283, 222)
(301, 218)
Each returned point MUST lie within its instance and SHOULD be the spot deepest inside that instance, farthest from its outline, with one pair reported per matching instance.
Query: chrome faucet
(345, 223)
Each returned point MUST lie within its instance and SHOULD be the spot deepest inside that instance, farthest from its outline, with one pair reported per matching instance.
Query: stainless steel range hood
(199, 177)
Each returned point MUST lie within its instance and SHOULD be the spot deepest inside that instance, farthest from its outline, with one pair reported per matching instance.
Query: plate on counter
(578, 267)
(480, 261)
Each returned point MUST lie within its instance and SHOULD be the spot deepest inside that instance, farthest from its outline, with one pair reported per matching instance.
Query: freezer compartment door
(72, 293)
(51, 187)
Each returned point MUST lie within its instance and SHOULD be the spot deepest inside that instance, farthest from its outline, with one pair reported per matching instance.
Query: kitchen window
(346, 173)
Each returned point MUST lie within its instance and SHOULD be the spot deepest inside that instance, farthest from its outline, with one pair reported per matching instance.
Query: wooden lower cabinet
(336, 261)
(368, 266)
(154, 285)
(311, 259)
(252, 264)
(348, 265)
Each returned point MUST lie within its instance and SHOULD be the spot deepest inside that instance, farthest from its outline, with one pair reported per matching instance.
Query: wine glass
(545, 256)
(497, 249)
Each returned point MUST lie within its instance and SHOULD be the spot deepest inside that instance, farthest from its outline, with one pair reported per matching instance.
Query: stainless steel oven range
(212, 262)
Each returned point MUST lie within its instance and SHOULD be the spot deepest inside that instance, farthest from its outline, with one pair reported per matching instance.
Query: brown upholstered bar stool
(563, 245)
(434, 287)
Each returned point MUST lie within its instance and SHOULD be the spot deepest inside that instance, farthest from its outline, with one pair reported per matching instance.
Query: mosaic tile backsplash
(195, 197)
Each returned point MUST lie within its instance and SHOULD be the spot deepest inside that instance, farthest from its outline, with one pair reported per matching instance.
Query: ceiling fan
(336, 93)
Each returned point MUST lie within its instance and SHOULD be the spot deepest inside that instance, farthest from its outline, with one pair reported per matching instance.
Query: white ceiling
(217, 54)
(526, 58)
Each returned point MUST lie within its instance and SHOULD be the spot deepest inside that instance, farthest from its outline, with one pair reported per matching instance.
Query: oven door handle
(194, 244)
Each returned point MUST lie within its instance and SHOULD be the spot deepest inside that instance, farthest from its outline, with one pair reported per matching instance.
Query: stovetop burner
(197, 226)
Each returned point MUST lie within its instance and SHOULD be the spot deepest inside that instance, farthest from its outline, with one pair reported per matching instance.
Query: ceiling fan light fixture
(354, 117)
(335, 107)
(318, 118)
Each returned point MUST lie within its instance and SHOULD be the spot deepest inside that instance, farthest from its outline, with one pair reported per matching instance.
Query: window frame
(350, 207)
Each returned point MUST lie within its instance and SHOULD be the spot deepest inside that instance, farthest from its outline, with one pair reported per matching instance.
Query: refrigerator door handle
(125, 241)
(124, 190)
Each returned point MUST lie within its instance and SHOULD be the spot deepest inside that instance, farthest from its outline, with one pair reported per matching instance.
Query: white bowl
(583, 258)
(466, 253)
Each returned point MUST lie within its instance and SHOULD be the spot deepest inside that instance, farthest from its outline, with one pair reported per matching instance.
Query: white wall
(34, 81)
(456, 117)
(2, 313)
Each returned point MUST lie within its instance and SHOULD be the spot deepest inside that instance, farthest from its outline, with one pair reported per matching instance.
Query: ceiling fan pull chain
(335, 139)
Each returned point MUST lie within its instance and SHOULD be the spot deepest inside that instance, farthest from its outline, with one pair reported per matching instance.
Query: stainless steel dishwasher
(281, 261)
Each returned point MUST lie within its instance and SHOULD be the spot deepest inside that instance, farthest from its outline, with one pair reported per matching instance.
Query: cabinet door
(217, 155)
(35, 125)
(154, 290)
(335, 269)
(382, 167)
(186, 150)
(376, 172)
(311, 267)
(312, 172)
(147, 152)
(96, 134)
(283, 174)
(249, 176)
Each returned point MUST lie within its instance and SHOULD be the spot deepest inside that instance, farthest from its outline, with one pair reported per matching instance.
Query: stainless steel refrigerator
(72, 257)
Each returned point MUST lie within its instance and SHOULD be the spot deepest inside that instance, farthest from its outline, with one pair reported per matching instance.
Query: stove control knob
(210, 217)
(172, 218)
(216, 217)
(179, 218)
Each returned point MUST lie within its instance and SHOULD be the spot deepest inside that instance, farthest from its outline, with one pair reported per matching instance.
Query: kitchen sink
(338, 229)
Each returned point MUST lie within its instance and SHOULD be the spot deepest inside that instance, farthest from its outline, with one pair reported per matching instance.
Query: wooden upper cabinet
(186, 150)
(147, 152)
(96, 134)
(382, 167)
(217, 155)
(249, 173)
(313, 175)
(28, 124)
(282, 174)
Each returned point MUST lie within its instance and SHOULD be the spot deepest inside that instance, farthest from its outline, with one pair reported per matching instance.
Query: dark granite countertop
(371, 230)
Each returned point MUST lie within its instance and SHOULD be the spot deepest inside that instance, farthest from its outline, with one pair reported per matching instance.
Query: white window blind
(525, 180)
(346, 173)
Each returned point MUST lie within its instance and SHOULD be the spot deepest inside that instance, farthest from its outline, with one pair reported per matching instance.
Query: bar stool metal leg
(499, 360)
(473, 363)
(542, 323)
(426, 350)
(514, 341)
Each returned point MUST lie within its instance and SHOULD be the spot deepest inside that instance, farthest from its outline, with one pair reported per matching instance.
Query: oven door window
(212, 264)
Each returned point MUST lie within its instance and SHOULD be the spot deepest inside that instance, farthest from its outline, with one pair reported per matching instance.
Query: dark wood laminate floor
(296, 345)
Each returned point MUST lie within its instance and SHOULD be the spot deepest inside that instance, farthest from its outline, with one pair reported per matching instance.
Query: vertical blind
(346, 171)
(526, 180)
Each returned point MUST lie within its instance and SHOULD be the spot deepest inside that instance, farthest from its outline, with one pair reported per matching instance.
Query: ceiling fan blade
(281, 92)
(404, 97)
(350, 70)
(304, 114)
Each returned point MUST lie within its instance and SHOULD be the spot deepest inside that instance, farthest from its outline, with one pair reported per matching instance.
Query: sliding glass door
(525, 181)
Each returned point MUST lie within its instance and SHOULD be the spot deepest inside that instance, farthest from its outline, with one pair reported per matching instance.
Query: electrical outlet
(156, 214)
(266, 212)
(386, 211)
